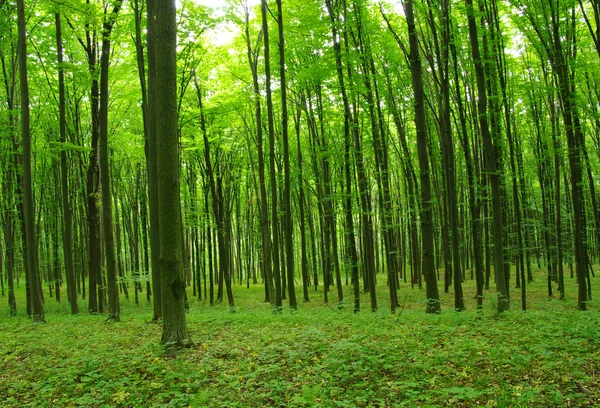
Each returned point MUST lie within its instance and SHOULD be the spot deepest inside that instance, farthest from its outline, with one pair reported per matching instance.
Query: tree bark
(114, 308)
(428, 262)
(37, 308)
(175, 332)
(66, 207)
(287, 205)
(152, 162)
(490, 163)
(350, 237)
(272, 170)
(263, 205)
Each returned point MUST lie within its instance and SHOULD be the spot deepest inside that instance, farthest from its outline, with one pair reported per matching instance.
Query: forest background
(350, 154)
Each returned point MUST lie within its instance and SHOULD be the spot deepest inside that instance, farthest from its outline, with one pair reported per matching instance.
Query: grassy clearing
(317, 356)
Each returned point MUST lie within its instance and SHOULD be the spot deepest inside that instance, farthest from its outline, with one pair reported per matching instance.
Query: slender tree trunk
(287, 206)
(557, 196)
(474, 201)
(3, 289)
(152, 161)
(449, 157)
(272, 172)
(264, 218)
(56, 275)
(511, 145)
(93, 184)
(66, 207)
(209, 241)
(220, 208)
(8, 187)
(9, 240)
(147, 123)
(368, 254)
(304, 257)
(114, 308)
(490, 163)
(350, 238)
(28, 205)
(381, 158)
(428, 262)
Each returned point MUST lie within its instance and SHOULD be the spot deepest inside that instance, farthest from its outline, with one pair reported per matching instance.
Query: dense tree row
(330, 143)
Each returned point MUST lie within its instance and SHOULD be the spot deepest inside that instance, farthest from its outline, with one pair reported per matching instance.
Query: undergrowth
(319, 355)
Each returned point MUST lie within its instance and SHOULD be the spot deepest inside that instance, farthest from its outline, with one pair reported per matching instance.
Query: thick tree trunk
(175, 332)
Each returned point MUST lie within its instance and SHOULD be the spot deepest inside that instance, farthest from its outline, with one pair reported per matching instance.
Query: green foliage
(317, 356)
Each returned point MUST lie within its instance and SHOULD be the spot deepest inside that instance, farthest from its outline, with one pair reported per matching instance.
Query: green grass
(317, 356)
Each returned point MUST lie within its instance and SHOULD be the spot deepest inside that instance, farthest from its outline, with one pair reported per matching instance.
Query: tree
(66, 208)
(490, 162)
(550, 31)
(287, 205)
(175, 332)
(114, 311)
(428, 268)
(349, 220)
(151, 160)
(508, 81)
(272, 170)
(9, 71)
(267, 267)
(37, 307)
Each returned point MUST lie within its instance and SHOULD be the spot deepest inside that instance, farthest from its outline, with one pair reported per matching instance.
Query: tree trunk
(474, 201)
(113, 312)
(9, 240)
(175, 332)
(301, 201)
(490, 163)
(428, 268)
(287, 206)
(29, 214)
(220, 209)
(350, 238)
(272, 172)
(264, 218)
(66, 207)
(152, 161)
(147, 123)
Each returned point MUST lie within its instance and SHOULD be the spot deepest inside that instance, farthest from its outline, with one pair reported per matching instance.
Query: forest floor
(319, 355)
